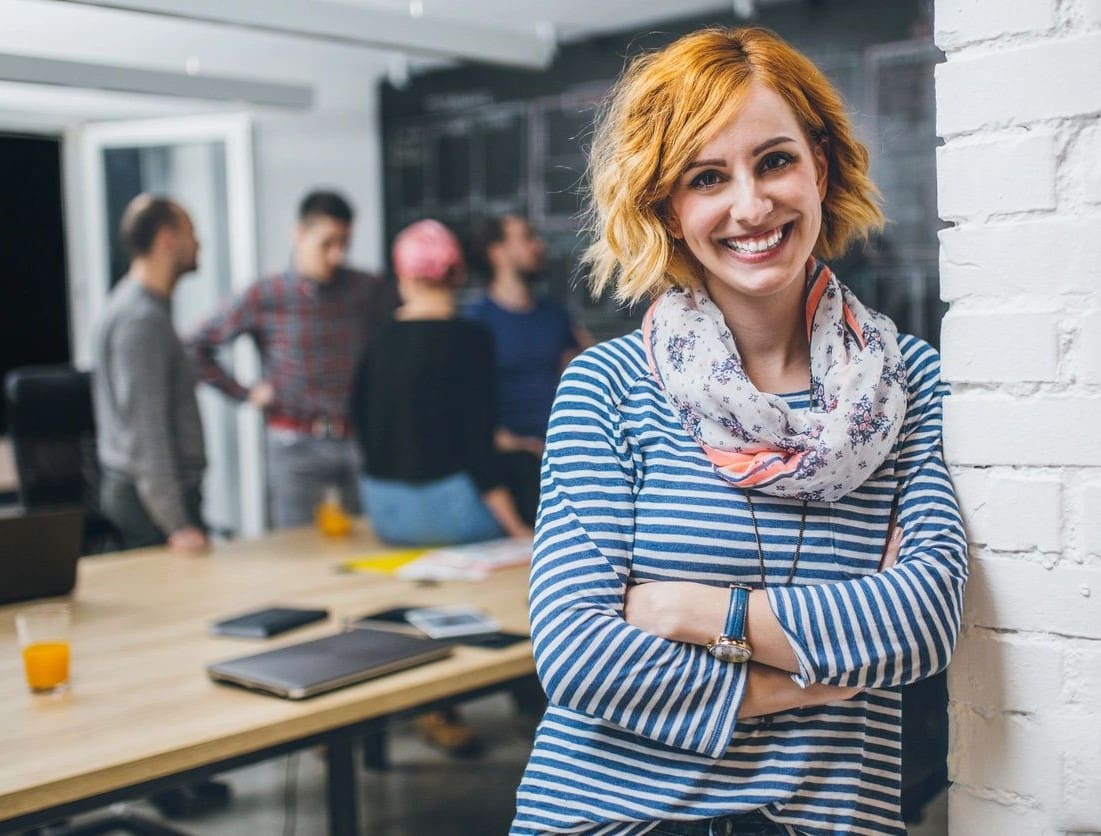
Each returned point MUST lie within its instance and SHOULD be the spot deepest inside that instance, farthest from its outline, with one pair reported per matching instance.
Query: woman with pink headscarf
(423, 408)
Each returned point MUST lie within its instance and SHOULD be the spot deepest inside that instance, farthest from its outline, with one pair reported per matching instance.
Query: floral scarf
(754, 439)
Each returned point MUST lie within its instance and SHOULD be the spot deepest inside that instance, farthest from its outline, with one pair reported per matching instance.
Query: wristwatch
(732, 646)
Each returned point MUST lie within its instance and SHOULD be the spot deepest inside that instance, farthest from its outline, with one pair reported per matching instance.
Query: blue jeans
(438, 513)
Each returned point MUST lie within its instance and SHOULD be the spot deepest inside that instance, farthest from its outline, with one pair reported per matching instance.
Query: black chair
(53, 436)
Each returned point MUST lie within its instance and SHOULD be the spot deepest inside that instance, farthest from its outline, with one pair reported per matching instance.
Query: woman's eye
(704, 179)
(775, 161)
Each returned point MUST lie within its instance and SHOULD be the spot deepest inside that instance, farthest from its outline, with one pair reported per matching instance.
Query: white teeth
(756, 245)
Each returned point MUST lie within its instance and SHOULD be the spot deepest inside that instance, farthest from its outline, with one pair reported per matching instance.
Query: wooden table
(141, 713)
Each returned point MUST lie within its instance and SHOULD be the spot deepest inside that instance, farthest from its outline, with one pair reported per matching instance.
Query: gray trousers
(121, 504)
(300, 467)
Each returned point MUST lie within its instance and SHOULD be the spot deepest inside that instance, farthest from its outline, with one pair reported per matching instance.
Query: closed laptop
(309, 668)
(38, 552)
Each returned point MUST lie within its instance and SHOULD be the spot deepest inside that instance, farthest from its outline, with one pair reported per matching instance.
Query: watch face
(730, 650)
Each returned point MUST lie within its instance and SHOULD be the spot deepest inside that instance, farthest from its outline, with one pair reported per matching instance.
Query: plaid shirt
(309, 335)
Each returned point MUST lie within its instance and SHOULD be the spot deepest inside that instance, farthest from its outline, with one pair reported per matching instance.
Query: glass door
(204, 163)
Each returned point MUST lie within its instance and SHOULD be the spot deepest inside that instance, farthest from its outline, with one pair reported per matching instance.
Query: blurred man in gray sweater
(148, 433)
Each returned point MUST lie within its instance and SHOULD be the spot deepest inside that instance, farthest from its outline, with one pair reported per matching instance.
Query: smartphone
(444, 622)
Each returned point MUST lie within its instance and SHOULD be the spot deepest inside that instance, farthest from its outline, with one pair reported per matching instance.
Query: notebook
(267, 622)
(38, 552)
(314, 667)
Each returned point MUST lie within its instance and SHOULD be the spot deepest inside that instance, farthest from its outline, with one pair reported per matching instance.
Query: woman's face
(749, 205)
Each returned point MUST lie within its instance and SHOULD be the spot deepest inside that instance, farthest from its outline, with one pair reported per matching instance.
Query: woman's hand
(890, 551)
(771, 691)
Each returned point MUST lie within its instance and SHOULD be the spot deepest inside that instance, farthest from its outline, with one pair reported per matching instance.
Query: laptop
(38, 552)
(310, 668)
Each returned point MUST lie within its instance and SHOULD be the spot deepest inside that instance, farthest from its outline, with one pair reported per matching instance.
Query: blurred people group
(428, 417)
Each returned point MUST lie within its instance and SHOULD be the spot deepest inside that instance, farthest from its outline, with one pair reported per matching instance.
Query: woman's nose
(749, 205)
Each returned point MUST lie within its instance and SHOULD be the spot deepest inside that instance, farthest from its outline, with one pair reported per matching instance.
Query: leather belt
(321, 427)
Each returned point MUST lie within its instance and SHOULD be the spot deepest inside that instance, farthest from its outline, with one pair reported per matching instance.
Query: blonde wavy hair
(662, 110)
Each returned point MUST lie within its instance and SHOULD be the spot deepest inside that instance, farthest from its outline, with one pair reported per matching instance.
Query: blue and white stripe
(640, 729)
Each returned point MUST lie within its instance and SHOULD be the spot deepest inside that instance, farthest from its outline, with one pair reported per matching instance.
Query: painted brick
(1082, 676)
(969, 815)
(1078, 738)
(1002, 751)
(1089, 359)
(1045, 258)
(1088, 518)
(1091, 12)
(964, 21)
(1050, 80)
(1014, 594)
(996, 505)
(1040, 430)
(1000, 347)
(1005, 672)
(1084, 165)
(1012, 174)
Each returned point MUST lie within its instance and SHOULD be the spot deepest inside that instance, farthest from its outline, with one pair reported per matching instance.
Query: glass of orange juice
(331, 518)
(44, 640)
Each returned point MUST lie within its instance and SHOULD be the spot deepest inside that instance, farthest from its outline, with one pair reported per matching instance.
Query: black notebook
(270, 621)
(309, 668)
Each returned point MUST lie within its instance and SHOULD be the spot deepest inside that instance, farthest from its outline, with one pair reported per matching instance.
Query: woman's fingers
(890, 551)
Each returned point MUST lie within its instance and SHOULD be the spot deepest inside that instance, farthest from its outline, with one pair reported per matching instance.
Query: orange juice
(331, 518)
(46, 665)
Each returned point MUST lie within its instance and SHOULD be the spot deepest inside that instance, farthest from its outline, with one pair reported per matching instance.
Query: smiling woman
(747, 537)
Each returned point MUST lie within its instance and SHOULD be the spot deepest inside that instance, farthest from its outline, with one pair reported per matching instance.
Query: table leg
(342, 790)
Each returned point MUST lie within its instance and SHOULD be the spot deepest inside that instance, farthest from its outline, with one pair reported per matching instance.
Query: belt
(753, 822)
(321, 427)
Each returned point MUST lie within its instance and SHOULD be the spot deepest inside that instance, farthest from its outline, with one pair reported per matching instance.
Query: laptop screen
(38, 552)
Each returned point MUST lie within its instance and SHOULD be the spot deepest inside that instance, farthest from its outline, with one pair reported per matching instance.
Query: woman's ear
(671, 221)
(821, 167)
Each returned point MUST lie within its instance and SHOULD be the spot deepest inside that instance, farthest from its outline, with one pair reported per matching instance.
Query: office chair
(53, 437)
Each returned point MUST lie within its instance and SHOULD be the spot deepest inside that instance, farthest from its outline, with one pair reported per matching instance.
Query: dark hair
(325, 205)
(487, 232)
(143, 218)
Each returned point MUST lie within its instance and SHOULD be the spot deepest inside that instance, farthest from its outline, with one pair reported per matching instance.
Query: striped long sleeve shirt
(640, 729)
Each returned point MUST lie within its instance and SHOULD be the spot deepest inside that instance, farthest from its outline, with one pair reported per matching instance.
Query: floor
(423, 792)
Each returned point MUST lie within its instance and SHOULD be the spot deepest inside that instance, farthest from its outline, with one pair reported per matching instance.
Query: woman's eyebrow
(768, 143)
(718, 162)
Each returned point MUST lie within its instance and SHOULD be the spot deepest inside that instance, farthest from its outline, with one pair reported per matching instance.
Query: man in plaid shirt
(310, 324)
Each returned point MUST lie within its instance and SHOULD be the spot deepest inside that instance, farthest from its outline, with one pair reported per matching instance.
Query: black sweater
(423, 402)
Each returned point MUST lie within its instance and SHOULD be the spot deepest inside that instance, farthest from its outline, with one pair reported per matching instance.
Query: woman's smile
(754, 249)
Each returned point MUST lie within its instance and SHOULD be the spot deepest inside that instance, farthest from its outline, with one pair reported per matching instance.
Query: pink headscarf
(428, 250)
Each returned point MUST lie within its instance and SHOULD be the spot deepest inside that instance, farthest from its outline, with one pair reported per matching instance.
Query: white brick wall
(1019, 175)
(985, 178)
(994, 348)
(1022, 259)
(1003, 87)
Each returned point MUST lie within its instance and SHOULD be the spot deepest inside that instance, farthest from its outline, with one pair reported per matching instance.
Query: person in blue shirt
(534, 338)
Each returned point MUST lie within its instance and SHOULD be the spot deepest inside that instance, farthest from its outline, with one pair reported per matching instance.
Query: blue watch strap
(735, 615)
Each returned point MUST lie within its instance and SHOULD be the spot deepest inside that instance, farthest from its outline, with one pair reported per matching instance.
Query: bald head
(158, 228)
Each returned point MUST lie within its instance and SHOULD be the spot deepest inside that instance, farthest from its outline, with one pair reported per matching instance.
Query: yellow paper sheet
(385, 562)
